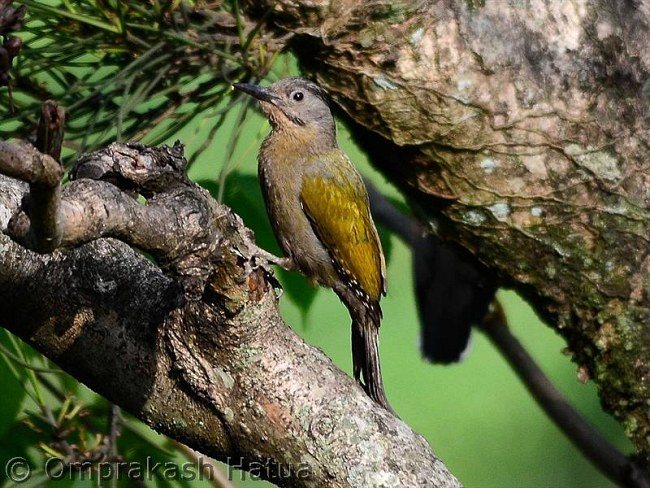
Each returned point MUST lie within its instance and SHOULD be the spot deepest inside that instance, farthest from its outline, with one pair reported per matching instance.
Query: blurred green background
(477, 416)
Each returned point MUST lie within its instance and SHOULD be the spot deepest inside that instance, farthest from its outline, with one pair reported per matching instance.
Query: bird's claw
(284, 262)
(258, 254)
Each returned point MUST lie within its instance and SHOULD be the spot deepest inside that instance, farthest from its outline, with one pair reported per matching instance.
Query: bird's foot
(284, 262)
(259, 254)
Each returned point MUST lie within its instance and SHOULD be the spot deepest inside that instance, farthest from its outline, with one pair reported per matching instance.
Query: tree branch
(41, 168)
(605, 457)
(199, 351)
(609, 460)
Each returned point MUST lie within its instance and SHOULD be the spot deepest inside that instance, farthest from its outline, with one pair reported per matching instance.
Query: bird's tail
(365, 351)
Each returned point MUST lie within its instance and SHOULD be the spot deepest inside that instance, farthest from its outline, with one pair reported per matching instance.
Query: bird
(318, 207)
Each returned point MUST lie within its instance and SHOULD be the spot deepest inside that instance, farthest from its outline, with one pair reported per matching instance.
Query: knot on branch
(142, 196)
(190, 235)
(135, 167)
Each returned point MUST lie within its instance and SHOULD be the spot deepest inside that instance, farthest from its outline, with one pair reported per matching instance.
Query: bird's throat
(297, 142)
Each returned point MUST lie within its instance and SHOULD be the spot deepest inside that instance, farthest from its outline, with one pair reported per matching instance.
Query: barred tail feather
(366, 317)
(365, 352)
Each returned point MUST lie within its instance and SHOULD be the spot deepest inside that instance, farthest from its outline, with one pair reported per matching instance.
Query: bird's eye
(298, 96)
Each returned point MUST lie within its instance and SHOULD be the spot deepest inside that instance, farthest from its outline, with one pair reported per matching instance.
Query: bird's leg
(283, 262)
(263, 255)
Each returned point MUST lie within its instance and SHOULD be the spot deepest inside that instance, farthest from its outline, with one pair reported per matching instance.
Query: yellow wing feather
(337, 206)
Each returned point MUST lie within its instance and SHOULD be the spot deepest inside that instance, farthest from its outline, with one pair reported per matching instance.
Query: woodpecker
(318, 207)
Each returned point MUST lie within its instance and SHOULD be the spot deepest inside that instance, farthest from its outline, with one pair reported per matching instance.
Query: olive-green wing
(336, 203)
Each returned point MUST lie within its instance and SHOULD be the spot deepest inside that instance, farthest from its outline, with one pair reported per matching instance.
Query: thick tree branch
(605, 457)
(521, 131)
(198, 351)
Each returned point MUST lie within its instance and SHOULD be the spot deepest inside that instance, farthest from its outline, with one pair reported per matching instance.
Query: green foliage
(123, 68)
(12, 386)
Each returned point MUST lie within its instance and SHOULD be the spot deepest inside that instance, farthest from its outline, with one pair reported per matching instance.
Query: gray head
(293, 103)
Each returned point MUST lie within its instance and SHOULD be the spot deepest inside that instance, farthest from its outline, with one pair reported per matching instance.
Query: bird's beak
(258, 92)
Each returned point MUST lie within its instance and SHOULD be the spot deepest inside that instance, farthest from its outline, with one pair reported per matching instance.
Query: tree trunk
(521, 131)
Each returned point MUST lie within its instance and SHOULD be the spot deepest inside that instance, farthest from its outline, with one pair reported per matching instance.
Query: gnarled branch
(194, 347)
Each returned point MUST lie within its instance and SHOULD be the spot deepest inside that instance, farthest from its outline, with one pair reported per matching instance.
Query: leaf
(13, 392)
(18, 441)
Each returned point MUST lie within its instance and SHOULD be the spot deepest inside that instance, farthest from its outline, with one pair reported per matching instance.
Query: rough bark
(521, 130)
(193, 345)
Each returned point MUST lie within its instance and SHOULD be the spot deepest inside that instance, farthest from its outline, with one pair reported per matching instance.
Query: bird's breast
(281, 181)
